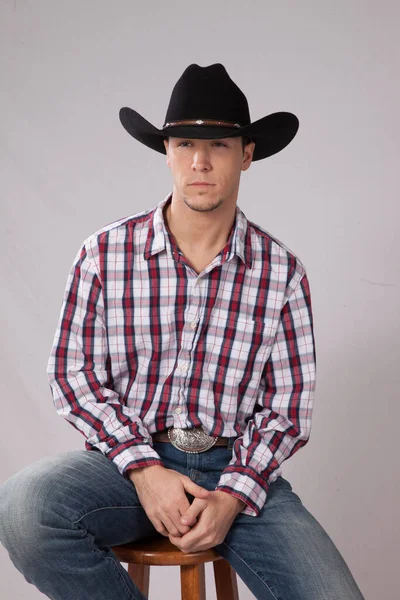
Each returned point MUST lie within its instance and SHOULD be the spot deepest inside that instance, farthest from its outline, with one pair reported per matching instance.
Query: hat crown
(207, 93)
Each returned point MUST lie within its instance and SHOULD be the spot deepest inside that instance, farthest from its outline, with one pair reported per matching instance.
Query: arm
(282, 424)
(80, 381)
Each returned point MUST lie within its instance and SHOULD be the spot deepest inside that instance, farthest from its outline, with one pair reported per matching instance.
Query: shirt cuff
(247, 485)
(129, 455)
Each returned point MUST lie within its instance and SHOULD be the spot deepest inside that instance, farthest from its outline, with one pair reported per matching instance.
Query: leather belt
(192, 440)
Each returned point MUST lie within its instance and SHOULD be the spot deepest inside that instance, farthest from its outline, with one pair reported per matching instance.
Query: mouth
(202, 184)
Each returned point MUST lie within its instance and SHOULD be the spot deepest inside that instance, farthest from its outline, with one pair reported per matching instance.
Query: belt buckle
(192, 440)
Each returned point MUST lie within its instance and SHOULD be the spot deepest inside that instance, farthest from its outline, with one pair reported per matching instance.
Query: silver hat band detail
(201, 122)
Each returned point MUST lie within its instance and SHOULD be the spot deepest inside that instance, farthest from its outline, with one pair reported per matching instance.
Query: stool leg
(193, 583)
(225, 580)
(141, 576)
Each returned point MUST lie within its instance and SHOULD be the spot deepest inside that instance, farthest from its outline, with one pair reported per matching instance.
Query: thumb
(196, 490)
(189, 517)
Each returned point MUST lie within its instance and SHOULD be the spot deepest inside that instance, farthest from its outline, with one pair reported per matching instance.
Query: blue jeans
(60, 515)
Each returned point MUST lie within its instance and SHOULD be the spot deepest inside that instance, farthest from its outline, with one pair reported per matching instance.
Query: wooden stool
(159, 551)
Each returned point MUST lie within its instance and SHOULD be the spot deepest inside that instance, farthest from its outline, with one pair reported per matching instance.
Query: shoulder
(117, 230)
(278, 254)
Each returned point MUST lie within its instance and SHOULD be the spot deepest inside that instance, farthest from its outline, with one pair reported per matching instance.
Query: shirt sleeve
(80, 381)
(281, 423)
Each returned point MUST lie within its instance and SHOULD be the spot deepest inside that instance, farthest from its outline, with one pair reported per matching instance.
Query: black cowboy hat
(206, 103)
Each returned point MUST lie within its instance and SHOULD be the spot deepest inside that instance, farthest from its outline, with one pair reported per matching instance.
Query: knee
(26, 507)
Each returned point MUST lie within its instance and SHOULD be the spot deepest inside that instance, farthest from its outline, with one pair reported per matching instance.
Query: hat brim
(271, 134)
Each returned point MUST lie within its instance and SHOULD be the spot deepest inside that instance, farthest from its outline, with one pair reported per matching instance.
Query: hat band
(201, 122)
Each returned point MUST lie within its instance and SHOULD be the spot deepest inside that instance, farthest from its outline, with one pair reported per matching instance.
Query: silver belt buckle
(192, 440)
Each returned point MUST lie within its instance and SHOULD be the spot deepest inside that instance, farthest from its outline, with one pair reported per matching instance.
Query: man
(185, 355)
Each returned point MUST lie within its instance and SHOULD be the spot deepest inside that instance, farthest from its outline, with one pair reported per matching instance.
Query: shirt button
(193, 324)
(178, 410)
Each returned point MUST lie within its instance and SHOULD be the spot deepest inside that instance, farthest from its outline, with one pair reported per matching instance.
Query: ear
(248, 155)
(165, 141)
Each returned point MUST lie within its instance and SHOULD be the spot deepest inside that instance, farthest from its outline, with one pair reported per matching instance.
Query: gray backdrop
(68, 168)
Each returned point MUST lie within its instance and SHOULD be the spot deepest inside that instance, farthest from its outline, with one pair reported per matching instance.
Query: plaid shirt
(144, 342)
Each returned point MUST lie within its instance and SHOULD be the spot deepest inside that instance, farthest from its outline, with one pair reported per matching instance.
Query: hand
(216, 514)
(161, 492)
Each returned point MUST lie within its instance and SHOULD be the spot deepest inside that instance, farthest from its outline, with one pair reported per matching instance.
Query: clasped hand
(214, 515)
(161, 492)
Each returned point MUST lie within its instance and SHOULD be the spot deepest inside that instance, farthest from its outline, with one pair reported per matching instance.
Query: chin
(203, 190)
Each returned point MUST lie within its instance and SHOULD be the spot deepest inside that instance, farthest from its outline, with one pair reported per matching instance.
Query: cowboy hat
(205, 103)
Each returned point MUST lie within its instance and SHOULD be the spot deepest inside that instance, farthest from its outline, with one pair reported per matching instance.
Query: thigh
(284, 553)
(85, 488)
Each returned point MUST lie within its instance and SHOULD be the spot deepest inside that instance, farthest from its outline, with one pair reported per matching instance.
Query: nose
(201, 161)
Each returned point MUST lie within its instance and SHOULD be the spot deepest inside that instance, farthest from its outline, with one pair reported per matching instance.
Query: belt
(192, 440)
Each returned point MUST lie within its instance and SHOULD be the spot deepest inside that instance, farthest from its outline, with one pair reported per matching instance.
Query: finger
(184, 545)
(199, 547)
(193, 488)
(158, 524)
(171, 517)
(192, 539)
(175, 541)
(180, 528)
(174, 528)
(190, 516)
(189, 520)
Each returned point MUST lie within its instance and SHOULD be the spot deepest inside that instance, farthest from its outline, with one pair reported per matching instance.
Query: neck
(199, 230)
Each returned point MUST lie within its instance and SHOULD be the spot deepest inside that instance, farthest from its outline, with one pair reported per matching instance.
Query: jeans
(60, 515)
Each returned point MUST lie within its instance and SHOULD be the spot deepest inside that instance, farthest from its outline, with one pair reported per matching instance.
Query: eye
(186, 143)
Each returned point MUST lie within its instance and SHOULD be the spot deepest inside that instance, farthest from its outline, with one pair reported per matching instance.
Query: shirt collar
(159, 237)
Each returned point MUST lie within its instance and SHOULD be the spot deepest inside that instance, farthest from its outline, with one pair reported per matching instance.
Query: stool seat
(159, 551)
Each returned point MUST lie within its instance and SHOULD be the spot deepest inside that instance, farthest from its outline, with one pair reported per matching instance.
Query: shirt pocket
(237, 349)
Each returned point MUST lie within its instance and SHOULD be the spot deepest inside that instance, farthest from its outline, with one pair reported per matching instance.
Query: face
(217, 162)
